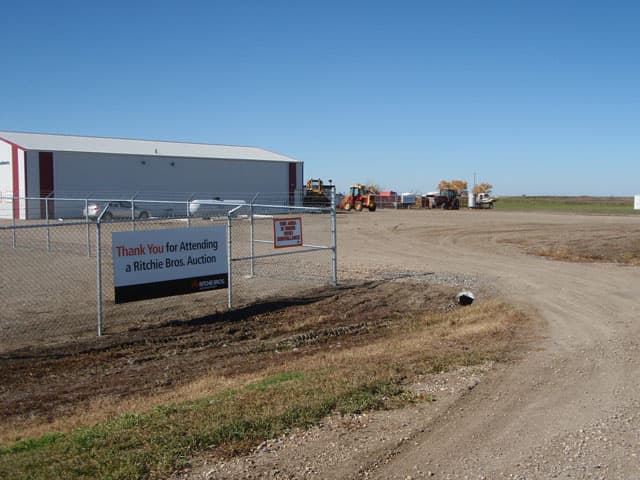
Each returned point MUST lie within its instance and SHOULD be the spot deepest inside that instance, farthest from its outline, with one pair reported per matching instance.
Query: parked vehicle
(114, 209)
(317, 193)
(482, 200)
(207, 208)
(359, 198)
(448, 199)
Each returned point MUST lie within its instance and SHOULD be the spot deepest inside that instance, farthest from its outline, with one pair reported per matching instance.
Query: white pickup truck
(482, 200)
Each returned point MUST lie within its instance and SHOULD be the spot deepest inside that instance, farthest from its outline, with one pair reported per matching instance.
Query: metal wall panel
(111, 176)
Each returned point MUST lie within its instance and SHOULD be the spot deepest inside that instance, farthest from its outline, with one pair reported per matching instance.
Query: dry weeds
(424, 336)
(617, 245)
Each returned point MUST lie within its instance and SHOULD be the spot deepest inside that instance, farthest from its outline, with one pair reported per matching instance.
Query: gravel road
(570, 408)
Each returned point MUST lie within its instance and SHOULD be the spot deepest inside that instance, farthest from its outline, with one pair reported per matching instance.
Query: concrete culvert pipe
(465, 298)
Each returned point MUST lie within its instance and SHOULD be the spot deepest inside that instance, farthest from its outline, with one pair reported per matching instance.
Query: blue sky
(535, 97)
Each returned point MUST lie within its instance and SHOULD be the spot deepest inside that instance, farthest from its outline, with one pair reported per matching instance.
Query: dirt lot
(569, 409)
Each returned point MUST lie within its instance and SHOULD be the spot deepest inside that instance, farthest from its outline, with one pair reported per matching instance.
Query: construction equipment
(448, 198)
(317, 193)
(359, 197)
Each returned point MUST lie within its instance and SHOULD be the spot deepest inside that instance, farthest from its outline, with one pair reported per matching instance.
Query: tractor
(359, 197)
(448, 199)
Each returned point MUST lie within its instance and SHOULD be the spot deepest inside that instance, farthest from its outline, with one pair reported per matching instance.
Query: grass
(153, 443)
(615, 245)
(593, 205)
(588, 252)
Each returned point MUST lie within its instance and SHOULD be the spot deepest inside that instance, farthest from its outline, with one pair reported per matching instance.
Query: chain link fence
(57, 278)
(261, 271)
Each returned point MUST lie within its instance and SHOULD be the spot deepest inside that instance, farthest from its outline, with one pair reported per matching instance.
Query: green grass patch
(265, 383)
(153, 444)
(32, 444)
(594, 205)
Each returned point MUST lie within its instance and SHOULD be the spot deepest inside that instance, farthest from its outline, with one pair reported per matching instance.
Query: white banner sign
(158, 263)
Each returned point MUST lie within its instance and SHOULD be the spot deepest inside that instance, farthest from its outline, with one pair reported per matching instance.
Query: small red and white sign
(287, 232)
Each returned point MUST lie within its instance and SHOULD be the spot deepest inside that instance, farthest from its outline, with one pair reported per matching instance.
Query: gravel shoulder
(568, 409)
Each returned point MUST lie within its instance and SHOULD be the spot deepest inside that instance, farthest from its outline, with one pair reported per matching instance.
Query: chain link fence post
(133, 213)
(189, 211)
(13, 223)
(230, 214)
(251, 237)
(86, 218)
(229, 253)
(99, 272)
(334, 239)
(46, 210)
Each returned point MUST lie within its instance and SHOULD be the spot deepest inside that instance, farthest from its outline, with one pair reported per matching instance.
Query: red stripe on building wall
(293, 181)
(25, 182)
(45, 160)
(16, 181)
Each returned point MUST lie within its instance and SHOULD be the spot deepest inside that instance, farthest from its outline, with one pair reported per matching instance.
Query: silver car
(115, 209)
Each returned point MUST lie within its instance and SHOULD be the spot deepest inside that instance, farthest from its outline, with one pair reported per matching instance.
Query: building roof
(122, 146)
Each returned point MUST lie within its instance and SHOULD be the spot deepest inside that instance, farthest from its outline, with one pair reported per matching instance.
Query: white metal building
(40, 165)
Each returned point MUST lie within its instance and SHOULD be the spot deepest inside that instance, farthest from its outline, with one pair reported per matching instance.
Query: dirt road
(569, 409)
